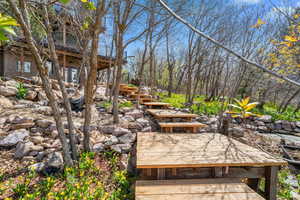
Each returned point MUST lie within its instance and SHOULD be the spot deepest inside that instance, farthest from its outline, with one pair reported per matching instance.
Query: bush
(85, 181)
(22, 91)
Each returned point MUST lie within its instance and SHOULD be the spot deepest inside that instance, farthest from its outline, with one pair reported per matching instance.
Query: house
(16, 58)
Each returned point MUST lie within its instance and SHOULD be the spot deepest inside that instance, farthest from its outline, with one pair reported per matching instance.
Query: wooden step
(193, 126)
(160, 114)
(157, 104)
(145, 100)
(194, 189)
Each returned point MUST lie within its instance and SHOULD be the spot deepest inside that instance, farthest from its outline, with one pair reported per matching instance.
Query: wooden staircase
(222, 163)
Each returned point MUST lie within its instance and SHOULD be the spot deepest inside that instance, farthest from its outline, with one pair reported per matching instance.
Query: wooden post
(174, 172)
(161, 173)
(271, 182)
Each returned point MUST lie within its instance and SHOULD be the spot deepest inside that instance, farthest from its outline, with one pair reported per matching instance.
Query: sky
(268, 15)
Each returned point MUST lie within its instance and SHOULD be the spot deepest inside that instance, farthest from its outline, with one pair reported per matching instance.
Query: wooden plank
(157, 104)
(162, 113)
(195, 189)
(182, 124)
(183, 150)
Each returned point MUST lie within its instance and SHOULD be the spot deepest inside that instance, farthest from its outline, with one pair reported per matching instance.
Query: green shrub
(22, 91)
(126, 104)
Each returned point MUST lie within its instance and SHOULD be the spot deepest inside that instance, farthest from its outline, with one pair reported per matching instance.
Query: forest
(79, 80)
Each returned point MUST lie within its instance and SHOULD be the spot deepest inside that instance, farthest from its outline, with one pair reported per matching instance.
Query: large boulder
(54, 163)
(135, 114)
(128, 138)
(120, 131)
(23, 149)
(108, 129)
(14, 137)
(8, 91)
(111, 140)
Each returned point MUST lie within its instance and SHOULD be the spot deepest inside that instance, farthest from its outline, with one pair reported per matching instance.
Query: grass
(95, 177)
(214, 107)
(108, 104)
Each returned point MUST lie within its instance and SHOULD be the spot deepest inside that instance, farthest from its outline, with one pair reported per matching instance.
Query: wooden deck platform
(157, 104)
(195, 189)
(188, 126)
(176, 150)
(162, 114)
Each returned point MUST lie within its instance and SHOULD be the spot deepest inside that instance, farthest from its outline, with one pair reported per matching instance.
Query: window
(49, 67)
(19, 66)
(27, 66)
(73, 75)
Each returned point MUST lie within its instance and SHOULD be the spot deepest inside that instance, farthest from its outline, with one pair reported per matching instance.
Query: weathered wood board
(177, 150)
(196, 189)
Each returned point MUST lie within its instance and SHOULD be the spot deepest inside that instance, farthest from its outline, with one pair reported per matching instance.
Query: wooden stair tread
(198, 189)
(169, 113)
(181, 124)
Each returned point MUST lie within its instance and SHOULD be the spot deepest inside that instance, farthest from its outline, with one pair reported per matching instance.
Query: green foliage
(126, 104)
(105, 104)
(6, 26)
(273, 110)
(22, 91)
(242, 108)
(285, 189)
(85, 181)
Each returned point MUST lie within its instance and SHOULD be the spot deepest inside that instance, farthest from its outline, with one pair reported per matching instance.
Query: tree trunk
(91, 81)
(65, 95)
(23, 20)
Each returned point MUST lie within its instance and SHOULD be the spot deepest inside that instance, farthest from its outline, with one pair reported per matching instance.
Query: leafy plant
(22, 91)
(126, 104)
(6, 24)
(242, 108)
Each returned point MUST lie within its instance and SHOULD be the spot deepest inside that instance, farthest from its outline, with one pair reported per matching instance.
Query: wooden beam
(271, 182)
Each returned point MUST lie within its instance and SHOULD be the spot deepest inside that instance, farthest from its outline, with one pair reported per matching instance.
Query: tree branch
(165, 6)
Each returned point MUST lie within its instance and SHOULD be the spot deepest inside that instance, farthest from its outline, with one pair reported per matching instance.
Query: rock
(21, 126)
(120, 131)
(237, 131)
(297, 124)
(37, 167)
(111, 140)
(42, 96)
(54, 163)
(45, 110)
(40, 156)
(259, 123)
(99, 147)
(265, 118)
(143, 122)
(128, 118)
(135, 114)
(8, 91)
(31, 95)
(287, 126)
(128, 138)
(14, 137)
(109, 129)
(54, 134)
(5, 102)
(19, 120)
(202, 118)
(212, 120)
(121, 148)
(23, 149)
(43, 123)
(147, 129)
(135, 125)
(262, 128)
(37, 139)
